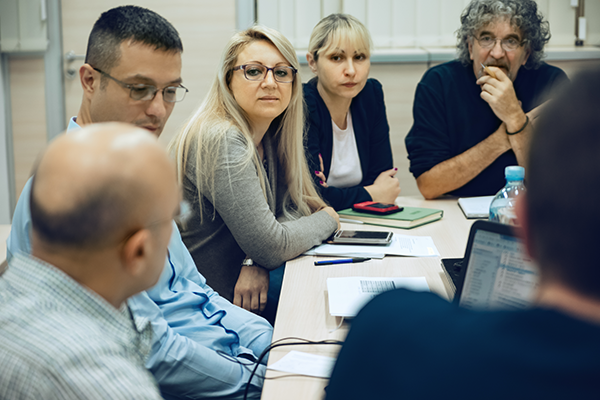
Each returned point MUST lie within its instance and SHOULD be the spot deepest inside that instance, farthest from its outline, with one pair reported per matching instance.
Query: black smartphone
(362, 237)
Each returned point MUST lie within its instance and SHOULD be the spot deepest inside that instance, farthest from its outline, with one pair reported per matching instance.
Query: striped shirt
(60, 340)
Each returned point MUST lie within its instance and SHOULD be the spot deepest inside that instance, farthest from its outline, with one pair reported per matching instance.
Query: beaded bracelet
(520, 130)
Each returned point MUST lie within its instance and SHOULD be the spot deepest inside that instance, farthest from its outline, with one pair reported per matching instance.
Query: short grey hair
(522, 14)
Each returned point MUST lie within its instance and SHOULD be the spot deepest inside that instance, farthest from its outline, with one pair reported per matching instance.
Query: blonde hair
(332, 30)
(219, 112)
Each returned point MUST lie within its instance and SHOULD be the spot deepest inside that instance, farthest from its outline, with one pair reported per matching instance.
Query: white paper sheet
(348, 295)
(476, 207)
(297, 362)
(401, 245)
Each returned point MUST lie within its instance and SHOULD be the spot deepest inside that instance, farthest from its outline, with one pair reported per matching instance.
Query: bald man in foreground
(66, 329)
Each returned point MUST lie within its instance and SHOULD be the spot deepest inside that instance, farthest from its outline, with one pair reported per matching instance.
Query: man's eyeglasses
(508, 44)
(170, 94)
(258, 72)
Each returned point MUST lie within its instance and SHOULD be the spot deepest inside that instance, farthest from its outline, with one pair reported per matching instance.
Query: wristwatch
(247, 262)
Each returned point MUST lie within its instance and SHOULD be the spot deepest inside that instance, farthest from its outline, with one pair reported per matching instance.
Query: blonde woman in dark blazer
(348, 143)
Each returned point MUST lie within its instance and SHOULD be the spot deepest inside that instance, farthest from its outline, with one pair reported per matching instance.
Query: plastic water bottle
(502, 208)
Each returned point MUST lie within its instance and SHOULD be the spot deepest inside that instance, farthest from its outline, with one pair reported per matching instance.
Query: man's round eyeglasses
(508, 44)
(258, 72)
(170, 94)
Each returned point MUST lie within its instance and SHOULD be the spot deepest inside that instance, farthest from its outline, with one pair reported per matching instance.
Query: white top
(345, 168)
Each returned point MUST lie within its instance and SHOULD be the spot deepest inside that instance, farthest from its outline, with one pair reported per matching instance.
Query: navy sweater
(450, 117)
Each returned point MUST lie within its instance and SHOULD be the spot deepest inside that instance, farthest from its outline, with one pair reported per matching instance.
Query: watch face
(248, 262)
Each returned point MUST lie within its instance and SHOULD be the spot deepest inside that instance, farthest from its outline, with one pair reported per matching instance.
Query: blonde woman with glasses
(348, 142)
(241, 162)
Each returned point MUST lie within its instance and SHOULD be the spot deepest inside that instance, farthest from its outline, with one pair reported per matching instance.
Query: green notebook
(408, 218)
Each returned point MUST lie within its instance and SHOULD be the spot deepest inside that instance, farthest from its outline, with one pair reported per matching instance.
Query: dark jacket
(372, 134)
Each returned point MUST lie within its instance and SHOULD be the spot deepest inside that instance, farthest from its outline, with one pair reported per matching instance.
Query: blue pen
(343, 261)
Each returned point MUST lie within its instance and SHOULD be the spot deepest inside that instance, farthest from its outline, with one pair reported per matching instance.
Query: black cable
(278, 343)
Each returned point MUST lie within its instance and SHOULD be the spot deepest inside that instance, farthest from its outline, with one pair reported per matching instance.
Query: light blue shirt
(191, 323)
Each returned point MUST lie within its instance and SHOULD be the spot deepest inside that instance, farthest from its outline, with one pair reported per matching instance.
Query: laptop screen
(499, 274)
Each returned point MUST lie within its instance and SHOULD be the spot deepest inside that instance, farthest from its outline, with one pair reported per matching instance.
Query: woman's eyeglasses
(258, 72)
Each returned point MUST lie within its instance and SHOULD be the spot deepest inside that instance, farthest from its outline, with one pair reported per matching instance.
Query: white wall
(4, 183)
(412, 23)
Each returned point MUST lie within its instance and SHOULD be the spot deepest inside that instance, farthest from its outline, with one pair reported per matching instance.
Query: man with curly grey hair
(473, 116)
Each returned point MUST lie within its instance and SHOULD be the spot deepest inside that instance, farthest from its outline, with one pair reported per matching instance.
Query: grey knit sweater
(245, 223)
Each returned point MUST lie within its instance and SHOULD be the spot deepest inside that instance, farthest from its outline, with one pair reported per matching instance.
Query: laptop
(496, 272)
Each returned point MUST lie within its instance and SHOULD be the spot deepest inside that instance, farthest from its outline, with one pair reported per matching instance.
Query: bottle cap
(514, 173)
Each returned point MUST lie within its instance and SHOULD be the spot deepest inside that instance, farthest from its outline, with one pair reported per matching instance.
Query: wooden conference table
(303, 309)
(303, 306)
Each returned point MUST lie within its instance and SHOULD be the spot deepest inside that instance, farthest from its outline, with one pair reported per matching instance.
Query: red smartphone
(373, 207)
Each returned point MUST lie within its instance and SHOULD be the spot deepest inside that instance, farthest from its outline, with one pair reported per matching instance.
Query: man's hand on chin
(499, 93)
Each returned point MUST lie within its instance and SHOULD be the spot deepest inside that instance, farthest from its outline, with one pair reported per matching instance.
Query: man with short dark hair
(66, 329)
(473, 116)
(434, 349)
(200, 340)
(132, 71)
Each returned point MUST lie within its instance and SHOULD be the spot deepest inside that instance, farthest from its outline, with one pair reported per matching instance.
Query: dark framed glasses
(171, 94)
(258, 72)
(508, 44)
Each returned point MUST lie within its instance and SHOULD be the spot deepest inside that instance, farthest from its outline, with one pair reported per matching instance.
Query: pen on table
(351, 221)
(343, 261)
(489, 71)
